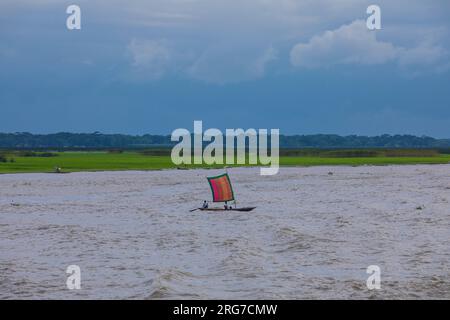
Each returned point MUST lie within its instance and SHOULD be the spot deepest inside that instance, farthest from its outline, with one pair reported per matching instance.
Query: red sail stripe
(221, 188)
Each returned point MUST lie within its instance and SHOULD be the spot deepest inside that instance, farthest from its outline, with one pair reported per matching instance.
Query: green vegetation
(86, 161)
(18, 162)
(360, 153)
(318, 161)
(97, 140)
(99, 152)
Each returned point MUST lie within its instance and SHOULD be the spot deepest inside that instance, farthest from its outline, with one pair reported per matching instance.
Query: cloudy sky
(303, 66)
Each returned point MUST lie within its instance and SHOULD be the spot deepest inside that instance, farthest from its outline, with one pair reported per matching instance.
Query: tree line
(96, 140)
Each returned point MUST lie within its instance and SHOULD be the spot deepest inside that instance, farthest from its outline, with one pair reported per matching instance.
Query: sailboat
(222, 191)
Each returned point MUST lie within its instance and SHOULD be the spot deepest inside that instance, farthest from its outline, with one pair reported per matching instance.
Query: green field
(107, 161)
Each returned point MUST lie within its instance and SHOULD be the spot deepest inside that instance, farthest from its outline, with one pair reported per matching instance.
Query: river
(312, 236)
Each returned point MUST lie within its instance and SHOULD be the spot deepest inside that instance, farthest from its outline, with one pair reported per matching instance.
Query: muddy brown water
(312, 235)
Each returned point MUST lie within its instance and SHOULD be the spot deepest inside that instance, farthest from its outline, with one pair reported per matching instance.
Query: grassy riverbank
(19, 162)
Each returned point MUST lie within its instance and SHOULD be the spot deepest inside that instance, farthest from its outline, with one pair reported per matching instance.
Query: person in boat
(205, 205)
(225, 206)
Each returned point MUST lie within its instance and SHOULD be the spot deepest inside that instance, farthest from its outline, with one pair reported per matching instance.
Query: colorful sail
(221, 188)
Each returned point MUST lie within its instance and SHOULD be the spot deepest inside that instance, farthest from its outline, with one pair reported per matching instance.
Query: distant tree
(62, 140)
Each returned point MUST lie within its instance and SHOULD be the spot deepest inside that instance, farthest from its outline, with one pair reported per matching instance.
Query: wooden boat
(59, 171)
(222, 192)
(245, 209)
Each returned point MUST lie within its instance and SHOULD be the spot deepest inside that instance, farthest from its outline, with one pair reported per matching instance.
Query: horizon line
(285, 135)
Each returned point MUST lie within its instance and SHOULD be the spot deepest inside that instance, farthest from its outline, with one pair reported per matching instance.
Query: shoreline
(94, 161)
(234, 167)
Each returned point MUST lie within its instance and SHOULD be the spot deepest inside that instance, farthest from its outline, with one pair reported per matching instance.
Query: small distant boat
(222, 191)
(245, 209)
(59, 170)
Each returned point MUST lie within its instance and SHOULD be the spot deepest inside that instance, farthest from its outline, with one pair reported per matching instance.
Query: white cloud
(229, 41)
(153, 59)
(423, 54)
(260, 64)
(150, 57)
(355, 44)
(349, 44)
(224, 64)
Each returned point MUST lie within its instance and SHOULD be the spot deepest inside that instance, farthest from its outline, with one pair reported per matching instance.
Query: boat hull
(244, 209)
